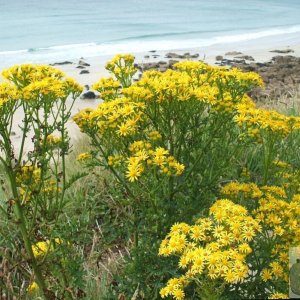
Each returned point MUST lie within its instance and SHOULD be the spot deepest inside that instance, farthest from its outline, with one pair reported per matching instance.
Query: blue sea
(53, 30)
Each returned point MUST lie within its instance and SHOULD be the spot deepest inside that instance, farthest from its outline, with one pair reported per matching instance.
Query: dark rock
(155, 56)
(13, 133)
(147, 66)
(162, 62)
(83, 63)
(239, 61)
(233, 53)
(173, 55)
(261, 65)
(284, 59)
(184, 56)
(226, 62)
(152, 51)
(84, 72)
(245, 57)
(146, 56)
(62, 63)
(280, 75)
(80, 67)
(87, 87)
(88, 96)
(219, 58)
(283, 51)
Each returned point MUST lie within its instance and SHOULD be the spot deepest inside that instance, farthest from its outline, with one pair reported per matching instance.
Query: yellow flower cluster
(279, 296)
(115, 160)
(50, 188)
(121, 115)
(154, 135)
(281, 164)
(51, 87)
(194, 81)
(84, 156)
(8, 93)
(286, 175)
(236, 189)
(82, 119)
(32, 288)
(215, 247)
(194, 67)
(29, 182)
(244, 78)
(53, 139)
(122, 65)
(24, 74)
(41, 80)
(28, 174)
(137, 93)
(41, 248)
(221, 74)
(108, 88)
(255, 121)
(143, 155)
(278, 217)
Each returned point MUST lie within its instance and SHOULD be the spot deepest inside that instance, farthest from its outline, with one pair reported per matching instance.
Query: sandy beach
(259, 49)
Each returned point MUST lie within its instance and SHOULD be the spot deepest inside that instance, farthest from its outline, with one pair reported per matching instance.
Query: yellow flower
(53, 139)
(154, 135)
(123, 129)
(134, 171)
(84, 156)
(266, 274)
(32, 288)
(245, 248)
(40, 248)
(178, 294)
(279, 296)
(230, 276)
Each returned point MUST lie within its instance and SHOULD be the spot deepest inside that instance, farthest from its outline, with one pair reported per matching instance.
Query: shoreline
(259, 49)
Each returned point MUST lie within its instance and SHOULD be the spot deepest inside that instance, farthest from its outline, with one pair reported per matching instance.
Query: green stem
(28, 246)
(268, 154)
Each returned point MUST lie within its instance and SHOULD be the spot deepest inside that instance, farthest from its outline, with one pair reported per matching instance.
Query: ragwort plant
(252, 228)
(170, 140)
(35, 181)
(242, 248)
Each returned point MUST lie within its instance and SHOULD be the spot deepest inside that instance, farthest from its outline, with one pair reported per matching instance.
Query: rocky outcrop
(233, 53)
(62, 63)
(83, 63)
(280, 75)
(245, 57)
(285, 51)
(182, 56)
(84, 72)
(160, 66)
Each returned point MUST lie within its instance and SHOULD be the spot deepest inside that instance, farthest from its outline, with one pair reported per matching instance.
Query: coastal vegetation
(181, 188)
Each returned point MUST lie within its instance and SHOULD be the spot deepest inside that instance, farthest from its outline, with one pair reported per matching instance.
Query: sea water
(50, 30)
